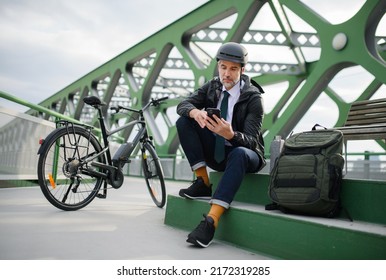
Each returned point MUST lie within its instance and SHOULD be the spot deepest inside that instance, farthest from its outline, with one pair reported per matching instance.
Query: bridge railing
(19, 142)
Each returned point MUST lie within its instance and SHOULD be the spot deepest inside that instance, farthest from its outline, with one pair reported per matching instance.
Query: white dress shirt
(234, 94)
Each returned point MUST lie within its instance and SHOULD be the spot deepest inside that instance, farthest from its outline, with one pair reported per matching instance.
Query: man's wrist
(231, 136)
(192, 113)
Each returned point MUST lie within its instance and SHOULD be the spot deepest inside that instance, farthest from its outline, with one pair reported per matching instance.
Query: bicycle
(73, 164)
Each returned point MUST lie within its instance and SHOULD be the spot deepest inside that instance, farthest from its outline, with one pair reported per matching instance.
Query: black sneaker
(198, 190)
(203, 234)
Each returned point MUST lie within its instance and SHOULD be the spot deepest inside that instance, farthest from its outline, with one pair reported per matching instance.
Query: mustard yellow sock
(215, 213)
(203, 173)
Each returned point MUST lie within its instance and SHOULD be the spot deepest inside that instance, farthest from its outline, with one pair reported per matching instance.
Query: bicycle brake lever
(116, 109)
(157, 102)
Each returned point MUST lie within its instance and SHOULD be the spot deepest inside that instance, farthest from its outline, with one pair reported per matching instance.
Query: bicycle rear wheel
(154, 175)
(63, 178)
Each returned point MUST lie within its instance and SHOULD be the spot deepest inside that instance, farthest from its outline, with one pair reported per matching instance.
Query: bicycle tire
(55, 163)
(154, 175)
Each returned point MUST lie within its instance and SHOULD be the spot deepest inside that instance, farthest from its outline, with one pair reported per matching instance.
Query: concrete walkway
(126, 225)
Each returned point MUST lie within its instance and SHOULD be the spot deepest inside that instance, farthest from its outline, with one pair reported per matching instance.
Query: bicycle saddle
(93, 101)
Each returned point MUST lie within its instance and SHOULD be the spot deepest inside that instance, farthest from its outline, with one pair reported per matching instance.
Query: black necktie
(219, 152)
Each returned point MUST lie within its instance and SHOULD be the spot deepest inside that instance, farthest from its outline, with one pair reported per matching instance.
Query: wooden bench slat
(366, 131)
(356, 136)
(365, 112)
(366, 102)
(355, 107)
(376, 115)
(366, 120)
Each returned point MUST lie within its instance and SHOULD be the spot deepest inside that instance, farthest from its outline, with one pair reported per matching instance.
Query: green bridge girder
(179, 58)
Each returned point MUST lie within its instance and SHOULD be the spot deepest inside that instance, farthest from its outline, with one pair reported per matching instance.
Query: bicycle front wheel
(63, 178)
(154, 175)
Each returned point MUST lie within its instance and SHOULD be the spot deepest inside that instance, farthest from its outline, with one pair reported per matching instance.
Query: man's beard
(228, 84)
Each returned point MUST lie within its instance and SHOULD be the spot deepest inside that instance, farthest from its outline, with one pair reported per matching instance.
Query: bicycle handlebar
(154, 102)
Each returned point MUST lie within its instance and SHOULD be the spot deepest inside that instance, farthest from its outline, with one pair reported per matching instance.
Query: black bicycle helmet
(234, 52)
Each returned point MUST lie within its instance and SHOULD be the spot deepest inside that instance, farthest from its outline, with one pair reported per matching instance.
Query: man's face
(229, 73)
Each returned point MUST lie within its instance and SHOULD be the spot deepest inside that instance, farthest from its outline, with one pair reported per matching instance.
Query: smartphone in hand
(213, 111)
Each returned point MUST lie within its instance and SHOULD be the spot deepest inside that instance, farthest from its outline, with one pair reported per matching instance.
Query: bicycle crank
(114, 175)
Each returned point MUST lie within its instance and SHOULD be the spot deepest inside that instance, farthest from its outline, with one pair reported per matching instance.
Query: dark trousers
(198, 144)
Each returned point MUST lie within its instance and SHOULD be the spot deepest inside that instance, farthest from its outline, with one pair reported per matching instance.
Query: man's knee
(239, 152)
(179, 122)
(245, 157)
(182, 122)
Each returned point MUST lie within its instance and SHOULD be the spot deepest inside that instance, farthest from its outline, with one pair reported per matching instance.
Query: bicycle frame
(107, 133)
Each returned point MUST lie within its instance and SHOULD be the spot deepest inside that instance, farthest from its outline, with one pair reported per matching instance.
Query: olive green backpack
(307, 176)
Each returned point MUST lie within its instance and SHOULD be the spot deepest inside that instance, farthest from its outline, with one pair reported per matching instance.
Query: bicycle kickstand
(104, 194)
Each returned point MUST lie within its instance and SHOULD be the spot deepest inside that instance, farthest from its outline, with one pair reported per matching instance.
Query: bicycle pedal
(101, 196)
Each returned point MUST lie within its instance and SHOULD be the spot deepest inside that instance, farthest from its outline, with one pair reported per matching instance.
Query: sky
(47, 45)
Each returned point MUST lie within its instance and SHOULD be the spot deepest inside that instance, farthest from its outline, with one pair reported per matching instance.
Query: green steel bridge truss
(299, 57)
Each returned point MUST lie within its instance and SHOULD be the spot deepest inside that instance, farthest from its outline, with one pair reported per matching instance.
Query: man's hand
(220, 127)
(199, 116)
